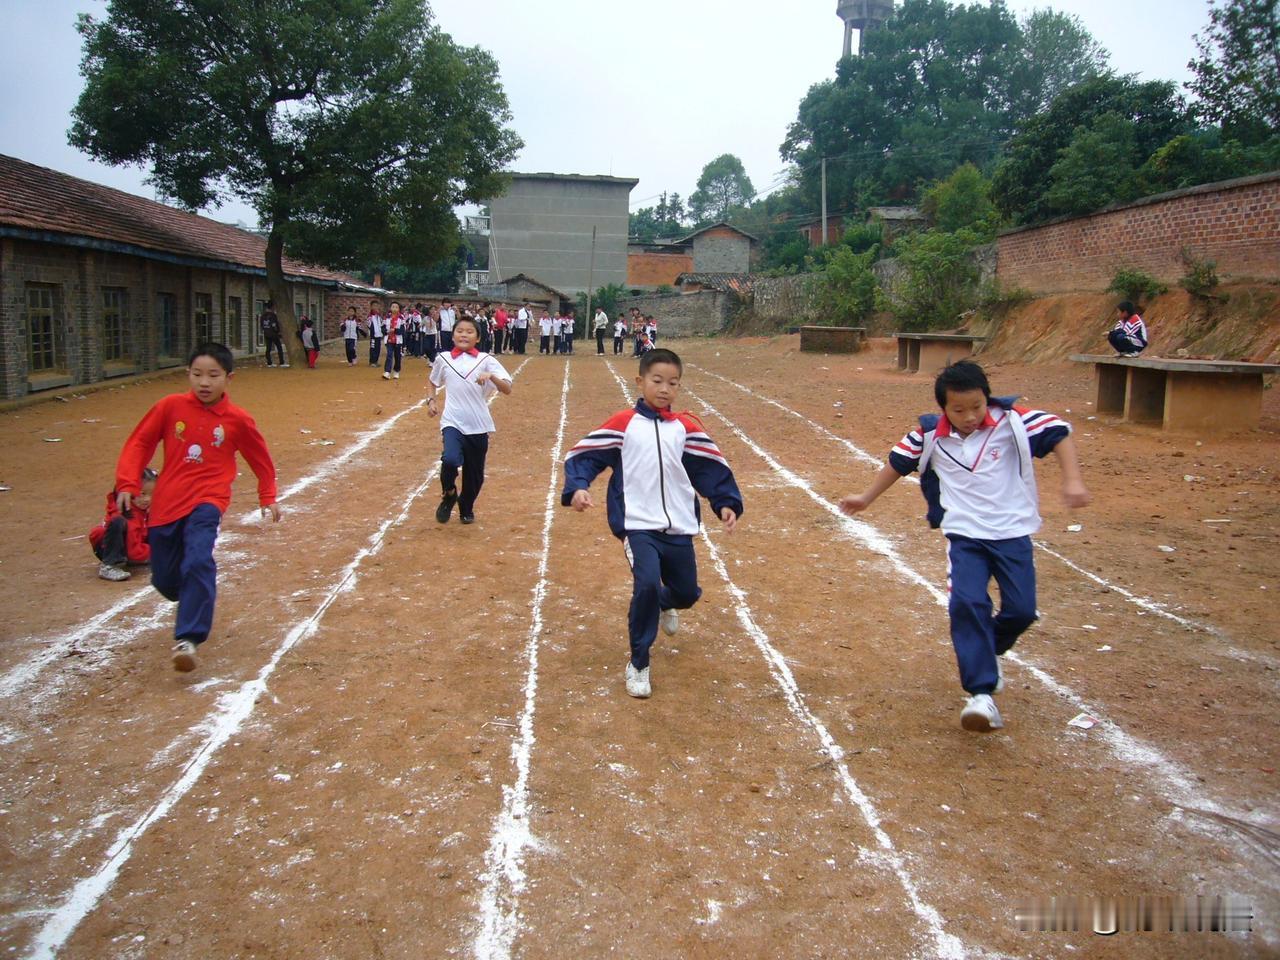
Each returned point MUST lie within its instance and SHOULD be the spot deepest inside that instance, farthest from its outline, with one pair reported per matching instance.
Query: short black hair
(660, 356)
(467, 318)
(1127, 308)
(960, 377)
(216, 352)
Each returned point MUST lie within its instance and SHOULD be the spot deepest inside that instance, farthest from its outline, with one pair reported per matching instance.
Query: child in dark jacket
(121, 538)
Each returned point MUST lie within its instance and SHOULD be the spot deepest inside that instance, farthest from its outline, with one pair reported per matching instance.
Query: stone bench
(1179, 394)
(832, 339)
(933, 351)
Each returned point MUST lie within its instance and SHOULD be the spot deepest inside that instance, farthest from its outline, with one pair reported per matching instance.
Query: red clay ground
(798, 786)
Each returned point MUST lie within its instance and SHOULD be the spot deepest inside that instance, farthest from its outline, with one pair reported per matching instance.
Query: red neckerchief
(456, 352)
(945, 428)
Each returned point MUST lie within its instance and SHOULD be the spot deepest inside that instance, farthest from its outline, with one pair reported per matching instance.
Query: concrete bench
(1180, 394)
(933, 351)
(832, 339)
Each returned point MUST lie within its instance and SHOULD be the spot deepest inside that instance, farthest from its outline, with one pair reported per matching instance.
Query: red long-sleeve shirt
(136, 547)
(200, 445)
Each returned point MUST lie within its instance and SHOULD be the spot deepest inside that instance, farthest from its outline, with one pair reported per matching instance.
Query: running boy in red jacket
(201, 431)
(121, 539)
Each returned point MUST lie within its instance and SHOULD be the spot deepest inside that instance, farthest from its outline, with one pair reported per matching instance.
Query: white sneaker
(638, 681)
(109, 571)
(999, 677)
(184, 656)
(386, 376)
(980, 714)
(396, 375)
(670, 620)
(285, 364)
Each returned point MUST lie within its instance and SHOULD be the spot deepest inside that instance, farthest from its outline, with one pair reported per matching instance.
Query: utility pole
(591, 285)
(824, 202)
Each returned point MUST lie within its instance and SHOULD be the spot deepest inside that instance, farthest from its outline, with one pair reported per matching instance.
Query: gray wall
(683, 314)
(542, 228)
(712, 254)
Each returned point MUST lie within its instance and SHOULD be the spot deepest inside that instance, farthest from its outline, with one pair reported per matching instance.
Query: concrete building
(98, 283)
(861, 15)
(541, 227)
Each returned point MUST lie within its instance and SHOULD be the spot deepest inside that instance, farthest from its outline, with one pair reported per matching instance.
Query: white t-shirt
(522, 318)
(465, 406)
(447, 319)
(620, 327)
(544, 325)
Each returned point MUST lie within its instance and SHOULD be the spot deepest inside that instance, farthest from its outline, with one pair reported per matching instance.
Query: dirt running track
(410, 740)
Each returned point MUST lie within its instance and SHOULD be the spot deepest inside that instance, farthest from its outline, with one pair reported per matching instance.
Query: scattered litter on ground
(1087, 626)
(1083, 721)
(91, 420)
(1165, 548)
(1075, 527)
(1105, 648)
(1215, 521)
(5, 489)
(303, 430)
(52, 439)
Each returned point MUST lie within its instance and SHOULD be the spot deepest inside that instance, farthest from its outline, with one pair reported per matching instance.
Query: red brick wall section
(1236, 224)
(657, 269)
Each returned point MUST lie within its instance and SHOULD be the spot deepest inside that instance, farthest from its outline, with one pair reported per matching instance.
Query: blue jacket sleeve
(709, 472)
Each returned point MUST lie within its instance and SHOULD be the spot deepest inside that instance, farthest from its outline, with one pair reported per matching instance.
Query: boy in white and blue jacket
(1129, 335)
(976, 472)
(661, 462)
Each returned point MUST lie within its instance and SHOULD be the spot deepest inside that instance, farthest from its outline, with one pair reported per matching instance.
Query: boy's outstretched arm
(253, 447)
(599, 449)
(857, 502)
(1074, 494)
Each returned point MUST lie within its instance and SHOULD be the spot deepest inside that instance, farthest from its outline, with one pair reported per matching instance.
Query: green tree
(1059, 52)
(962, 200)
(724, 184)
(664, 221)
(1097, 168)
(1203, 157)
(1237, 72)
(1021, 181)
(352, 127)
(939, 86)
(847, 294)
(442, 276)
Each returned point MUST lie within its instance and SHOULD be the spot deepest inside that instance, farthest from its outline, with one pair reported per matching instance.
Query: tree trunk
(283, 298)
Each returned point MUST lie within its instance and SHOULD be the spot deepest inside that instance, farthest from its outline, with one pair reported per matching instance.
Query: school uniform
(191, 494)
(374, 322)
(660, 463)
(429, 337)
(545, 328)
(465, 421)
(350, 333)
(619, 334)
(395, 344)
(521, 331)
(981, 491)
(1129, 335)
(448, 317)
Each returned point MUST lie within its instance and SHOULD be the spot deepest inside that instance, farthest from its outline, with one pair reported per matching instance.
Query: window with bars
(167, 317)
(235, 333)
(115, 340)
(44, 346)
(258, 307)
(204, 318)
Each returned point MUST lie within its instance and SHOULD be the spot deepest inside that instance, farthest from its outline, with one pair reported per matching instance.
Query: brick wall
(77, 277)
(683, 314)
(656, 269)
(721, 250)
(1235, 223)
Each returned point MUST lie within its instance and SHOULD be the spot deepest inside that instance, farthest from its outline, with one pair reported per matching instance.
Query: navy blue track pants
(666, 577)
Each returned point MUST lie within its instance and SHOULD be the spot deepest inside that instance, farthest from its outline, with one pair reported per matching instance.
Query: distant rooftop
(576, 177)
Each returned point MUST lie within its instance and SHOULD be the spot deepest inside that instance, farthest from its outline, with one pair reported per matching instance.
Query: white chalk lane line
(1166, 775)
(945, 945)
(512, 835)
(222, 723)
(1146, 603)
(102, 627)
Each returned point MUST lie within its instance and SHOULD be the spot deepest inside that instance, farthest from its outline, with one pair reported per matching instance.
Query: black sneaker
(467, 517)
(446, 506)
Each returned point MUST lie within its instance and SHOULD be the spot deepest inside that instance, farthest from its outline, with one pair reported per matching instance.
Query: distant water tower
(862, 15)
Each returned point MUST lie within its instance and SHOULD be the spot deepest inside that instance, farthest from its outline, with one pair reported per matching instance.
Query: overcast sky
(652, 90)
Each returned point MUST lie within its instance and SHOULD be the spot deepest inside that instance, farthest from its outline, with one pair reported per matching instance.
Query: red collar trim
(456, 352)
(945, 429)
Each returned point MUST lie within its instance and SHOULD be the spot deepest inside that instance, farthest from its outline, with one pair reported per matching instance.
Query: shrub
(1136, 285)
(994, 297)
(939, 279)
(848, 288)
(1201, 278)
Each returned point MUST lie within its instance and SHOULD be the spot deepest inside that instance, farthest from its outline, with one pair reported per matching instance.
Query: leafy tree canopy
(1023, 178)
(939, 86)
(1237, 72)
(724, 185)
(353, 127)
(962, 200)
(664, 221)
